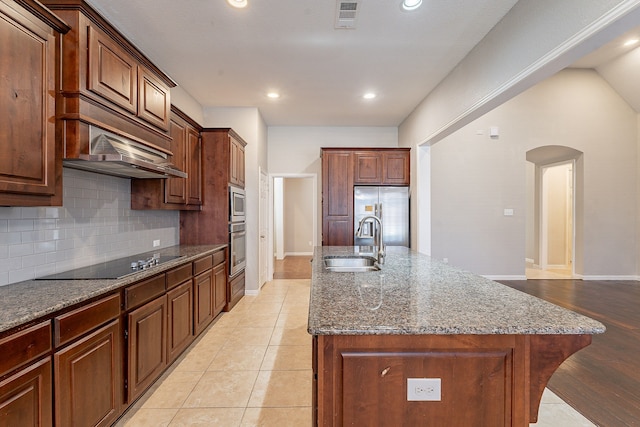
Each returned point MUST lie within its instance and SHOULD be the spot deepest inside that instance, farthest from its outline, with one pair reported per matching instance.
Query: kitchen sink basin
(350, 264)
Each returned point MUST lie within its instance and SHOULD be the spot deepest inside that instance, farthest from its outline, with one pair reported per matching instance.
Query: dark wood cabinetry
(107, 82)
(83, 366)
(88, 379)
(337, 198)
(147, 348)
(88, 352)
(382, 167)
(175, 193)
(342, 168)
(31, 164)
(236, 163)
(211, 224)
(25, 396)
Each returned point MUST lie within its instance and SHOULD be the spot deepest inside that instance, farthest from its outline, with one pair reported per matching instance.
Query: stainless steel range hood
(112, 154)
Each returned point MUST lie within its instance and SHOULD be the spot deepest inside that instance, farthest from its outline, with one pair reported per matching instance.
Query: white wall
(250, 125)
(297, 149)
(187, 104)
(474, 178)
(298, 216)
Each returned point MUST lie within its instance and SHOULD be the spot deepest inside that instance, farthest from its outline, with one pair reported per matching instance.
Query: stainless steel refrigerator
(391, 205)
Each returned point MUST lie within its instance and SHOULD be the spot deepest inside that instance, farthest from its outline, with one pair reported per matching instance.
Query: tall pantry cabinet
(223, 163)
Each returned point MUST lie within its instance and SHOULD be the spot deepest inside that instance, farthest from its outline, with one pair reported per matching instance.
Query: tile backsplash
(95, 224)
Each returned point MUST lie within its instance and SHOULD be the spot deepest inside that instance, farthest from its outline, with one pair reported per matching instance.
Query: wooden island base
(486, 380)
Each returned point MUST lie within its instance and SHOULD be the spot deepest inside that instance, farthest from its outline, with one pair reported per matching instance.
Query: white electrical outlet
(156, 243)
(423, 389)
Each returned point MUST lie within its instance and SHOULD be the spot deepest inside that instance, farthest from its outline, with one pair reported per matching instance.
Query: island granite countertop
(23, 302)
(414, 294)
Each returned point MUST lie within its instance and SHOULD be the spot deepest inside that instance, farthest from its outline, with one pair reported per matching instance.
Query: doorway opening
(556, 214)
(553, 177)
(294, 223)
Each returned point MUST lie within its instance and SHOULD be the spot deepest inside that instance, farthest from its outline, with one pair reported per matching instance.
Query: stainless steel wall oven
(237, 247)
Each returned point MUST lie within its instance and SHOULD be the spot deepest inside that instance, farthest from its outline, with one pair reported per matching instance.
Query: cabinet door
(26, 398)
(368, 167)
(176, 188)
(88, 379)
(154, 104)
(30, 168)
(219, 288)
(235, 289)
(112, 71)
(180, 314)
(194, 168)
(396, 168)
(240, 166)
(147, 345)
(337, 198)
(203, 293)
(234, 148)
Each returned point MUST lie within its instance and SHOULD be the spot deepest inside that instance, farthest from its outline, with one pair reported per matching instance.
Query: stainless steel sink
(350, 263)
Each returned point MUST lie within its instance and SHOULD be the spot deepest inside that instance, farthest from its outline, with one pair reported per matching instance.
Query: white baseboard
(286, 254)
(251, 292)
(603, 277)
(505, 277)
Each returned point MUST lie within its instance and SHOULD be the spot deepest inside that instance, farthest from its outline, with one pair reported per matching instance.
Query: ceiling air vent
(346, 13)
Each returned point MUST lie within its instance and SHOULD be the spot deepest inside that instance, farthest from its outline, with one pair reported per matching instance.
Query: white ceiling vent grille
(346, 13)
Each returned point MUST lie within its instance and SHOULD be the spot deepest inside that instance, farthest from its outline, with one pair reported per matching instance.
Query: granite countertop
(414, 294)
(23, 302)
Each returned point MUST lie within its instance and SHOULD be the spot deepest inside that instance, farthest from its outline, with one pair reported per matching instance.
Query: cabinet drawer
(202, 264)
(25, 346)
(219, 257)
(178, 275)
(84, 319)
(144, 291)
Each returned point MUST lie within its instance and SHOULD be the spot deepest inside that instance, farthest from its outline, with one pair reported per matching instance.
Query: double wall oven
(237, 230)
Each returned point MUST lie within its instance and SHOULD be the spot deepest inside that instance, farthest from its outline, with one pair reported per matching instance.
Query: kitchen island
(486, 350)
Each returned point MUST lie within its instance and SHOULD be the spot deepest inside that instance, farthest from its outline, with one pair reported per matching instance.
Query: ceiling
(226, 57)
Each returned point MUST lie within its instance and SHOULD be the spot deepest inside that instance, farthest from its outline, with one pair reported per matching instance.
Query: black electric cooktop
(115, 269)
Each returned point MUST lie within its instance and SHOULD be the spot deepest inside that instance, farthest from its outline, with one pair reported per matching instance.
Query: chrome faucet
(377, 233)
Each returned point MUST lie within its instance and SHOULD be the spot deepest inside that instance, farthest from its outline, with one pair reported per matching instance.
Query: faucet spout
(377, 235)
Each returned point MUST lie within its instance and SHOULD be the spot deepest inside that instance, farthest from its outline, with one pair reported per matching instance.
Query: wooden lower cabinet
(180, 315)
(203, 292)
(147, 337)
(88, 379)
(235, 289)
(25, 397)
(219, 289)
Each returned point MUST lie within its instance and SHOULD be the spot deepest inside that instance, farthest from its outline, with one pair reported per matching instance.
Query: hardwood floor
(601, 381)
(292, 267)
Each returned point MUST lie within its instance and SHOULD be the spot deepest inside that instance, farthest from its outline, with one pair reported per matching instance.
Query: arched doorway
(554, 213)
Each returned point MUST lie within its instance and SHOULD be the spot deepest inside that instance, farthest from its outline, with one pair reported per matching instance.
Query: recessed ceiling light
(630, 42)
(273, 95)
(369, 95)
(238, 3)
(411, 4)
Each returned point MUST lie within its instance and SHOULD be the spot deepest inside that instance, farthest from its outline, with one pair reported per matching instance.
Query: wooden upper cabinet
(175, 193)
(154, 102)
(176, 188)
(113, 73)
(382, 167)
(236, 164)
(31, 163)
(194, 167)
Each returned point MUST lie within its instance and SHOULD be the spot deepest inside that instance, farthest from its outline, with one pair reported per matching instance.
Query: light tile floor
(252, 367)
